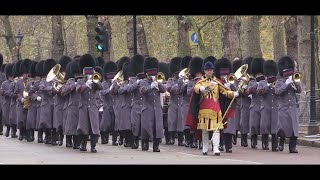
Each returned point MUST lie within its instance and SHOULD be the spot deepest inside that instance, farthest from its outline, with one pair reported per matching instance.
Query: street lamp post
(313, 128)
(19, 36)
(134, 35)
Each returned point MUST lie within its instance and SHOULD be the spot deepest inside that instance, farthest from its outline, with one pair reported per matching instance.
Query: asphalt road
(13, 151)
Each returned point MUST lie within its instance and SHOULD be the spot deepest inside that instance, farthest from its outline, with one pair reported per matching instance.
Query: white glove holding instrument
(39, 98)
(236, 94)
(289, 80)
(89, 83)
(203, 89)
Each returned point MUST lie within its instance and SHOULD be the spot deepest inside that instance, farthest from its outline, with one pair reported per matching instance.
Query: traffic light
(101, 37)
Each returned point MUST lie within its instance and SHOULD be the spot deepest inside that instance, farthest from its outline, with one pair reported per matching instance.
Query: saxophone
(26, 97)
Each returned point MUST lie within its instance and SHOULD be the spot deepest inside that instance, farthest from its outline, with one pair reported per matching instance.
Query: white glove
(244, 87)
(213, 83)
(250, 96)
(186, 81)
(138, 81)
(227, 85)
(22, 99)
(154, 84)
(39, 98)
(289, 80)
(235, 93)
(111, 87)
(203, 89)
(101, 109)
(268, 84)
(88, 83)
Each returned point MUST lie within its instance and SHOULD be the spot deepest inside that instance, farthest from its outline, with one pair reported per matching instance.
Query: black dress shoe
(1, 133)
(221, 148)
(275, 149)
(60, 143)
(7, 132)
(114, 143)
(156, 150)
(93, 150)
(14, 136)
(180, 143)
(120, 142)
(20, 138)
(54, 143)
(40, 140)
(293, 151)
(205, 153)
(104, 142)
(217, 154)
(68, 145)
(228, 150)
(280, 147)
(265, 148)
(82, 148)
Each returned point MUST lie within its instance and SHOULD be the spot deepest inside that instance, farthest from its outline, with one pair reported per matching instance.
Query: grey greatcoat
(231, 123)
(107, 121)
(185, 100)
(88, 108)
(58, 103)
(244, 115)
(34, 92)
(269, 108)
(123, 110)
(32, 110)
(46, 114)
(12, 111)
(2, 98)
(6, 103)
(68, 90)
(287, 111)
(151, 113)
(136, 106)
(21, 113)
(255, 115)
(174, 113)
(64, 112)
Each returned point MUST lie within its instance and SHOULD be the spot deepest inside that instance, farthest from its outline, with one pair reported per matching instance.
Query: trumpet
(159, 78)
(296, 77)
(96, 77)
(184, 74)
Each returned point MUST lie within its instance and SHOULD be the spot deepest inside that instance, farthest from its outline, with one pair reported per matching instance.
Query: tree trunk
(92, 22)
(278, 37)
(57, 38)
(109, 54)
(183, 45)
(130, 44)
(251, 30)
(202, 47)
(290, 27)
(231, 37)
(142, 39)
(71, 38)
(9, 36)
(38, 51)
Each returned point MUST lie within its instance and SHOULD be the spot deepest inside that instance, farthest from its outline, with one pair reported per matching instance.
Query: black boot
(172, 137)
(180, 139)
(7, 131)
(68, 141)
(114, 138)
(244, 140)
(187, 138)
(274, 144)
(103, 137)
(14, 131)
(166, 136)
(156, 143)
(265, 141)
(48, 136)
(145, 144)
(30, 137)
(254, 140)
(128, 138)
(76, 141)
(281, 143)
(293, 144)
(93, 142)
(121, 138)
(234, 138)
(60, 138)
(84, 140)
(40, 134)
(191, 141)
(106, 137)
(21, 134)
(54, 137)
(135, 144)
(228, 142)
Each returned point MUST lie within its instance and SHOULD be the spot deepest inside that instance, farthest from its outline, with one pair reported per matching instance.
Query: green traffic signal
(99, 47)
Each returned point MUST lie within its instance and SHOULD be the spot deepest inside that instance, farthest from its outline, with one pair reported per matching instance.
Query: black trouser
(228, 141)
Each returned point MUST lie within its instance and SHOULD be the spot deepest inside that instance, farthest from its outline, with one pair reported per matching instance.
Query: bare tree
(8, 35)
(92, 22)
(231, 37)
(183, 45)
(141, 37)
(57, 38)
(278, 37)
(290, 26)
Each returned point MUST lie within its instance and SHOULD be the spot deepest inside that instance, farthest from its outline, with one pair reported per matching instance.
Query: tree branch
(3, 35)
(209, 22)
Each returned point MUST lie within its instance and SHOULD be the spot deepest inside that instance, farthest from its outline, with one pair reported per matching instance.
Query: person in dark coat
(19, 88)
(88, 107)
(4, 91)
(58, 102)
(269, 105)
(68, 90)
(286, 89)
(46, 112)
(136, 64)
(151, 114)
(32, 110)
(254, 109)
(244, 108)
(2, 79)
(108, 117)
(174, 114)
(34, 93)
(195, 67)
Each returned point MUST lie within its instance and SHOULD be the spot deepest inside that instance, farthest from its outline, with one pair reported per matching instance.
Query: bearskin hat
(121, 61)
(270, 68)
(100, 61)
(72, 68)
(285, 63)
(39, 69)
(257, 66)
(87, 60)
(16, 72)
(48, 65)
(109, 70)
(151, 66)
(126, 71)
(76, 57)
(64, 60)
(68, 74)
(32, 69)
(208, 59)
(222, 66)
(185, 62)
(1, 59)
(25, 66)
(248, 61)
(3, 67)
(175, 65)
(164, 68)
(8, 70)
(195, 65)
(236, 64)
(136, 63)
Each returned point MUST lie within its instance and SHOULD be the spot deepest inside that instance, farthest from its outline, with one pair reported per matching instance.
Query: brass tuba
(26, 97)
(118, 78)
(55, 75)
(296, 77)
(184, 74)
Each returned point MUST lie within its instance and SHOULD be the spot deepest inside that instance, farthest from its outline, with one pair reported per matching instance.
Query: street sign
(193, 39)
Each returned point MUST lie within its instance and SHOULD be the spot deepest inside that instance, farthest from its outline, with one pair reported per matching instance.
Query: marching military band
(199, 102)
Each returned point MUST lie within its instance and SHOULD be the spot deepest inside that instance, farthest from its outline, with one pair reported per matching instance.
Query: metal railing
(304, 106)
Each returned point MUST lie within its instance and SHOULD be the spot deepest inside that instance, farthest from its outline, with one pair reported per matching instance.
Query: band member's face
(25, 75)
(198, 74)
(209, 72)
